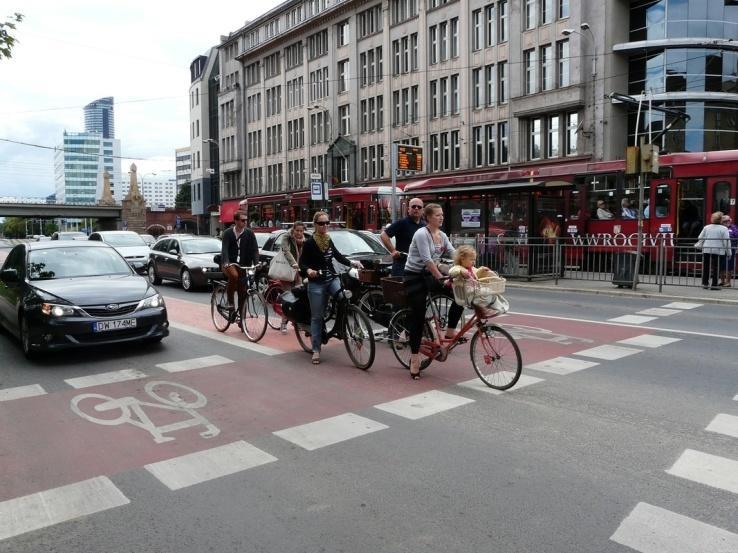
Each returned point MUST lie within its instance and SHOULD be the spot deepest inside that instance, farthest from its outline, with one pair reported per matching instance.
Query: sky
(71, 52)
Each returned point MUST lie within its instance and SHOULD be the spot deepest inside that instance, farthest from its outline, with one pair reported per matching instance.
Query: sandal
(316, 358)
(415, 375)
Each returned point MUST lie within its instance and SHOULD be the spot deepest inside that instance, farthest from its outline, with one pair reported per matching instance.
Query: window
(402, 10)
(369, 21)
(342, 33)
(502, 14)
(455, 93)
(552, 138)
(572, 126)
(414, 51)
(490, 26)
(547, 68)
(534, 138)
(489, 85)
(529, 63)
(396, 57)
(476, 30)
(435, 157)
(343, 76)
(405, 46)
(562, 56)
(546, 11)
(454, 37)
(502, 135)
(396, 111)
(489, 131)
(318, 44)
(433, 44)
(415, 107)
(478, 157)
(293, 55)
(444, 96)
(530, 15)
(563, 8)
(405, 106)
(272, 65)
(344, 116)
(434, 98)
(477, 88)
(253, 73)
(443, 41)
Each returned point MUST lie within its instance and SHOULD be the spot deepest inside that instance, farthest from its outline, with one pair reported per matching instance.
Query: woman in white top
(715, 242)
(428, 246)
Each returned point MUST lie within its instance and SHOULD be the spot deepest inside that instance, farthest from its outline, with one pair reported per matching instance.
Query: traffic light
(649, 158)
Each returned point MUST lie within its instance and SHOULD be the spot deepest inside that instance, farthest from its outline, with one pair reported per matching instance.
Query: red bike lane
(49, 441)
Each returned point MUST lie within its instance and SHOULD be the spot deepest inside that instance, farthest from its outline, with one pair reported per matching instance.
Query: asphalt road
(587, 454)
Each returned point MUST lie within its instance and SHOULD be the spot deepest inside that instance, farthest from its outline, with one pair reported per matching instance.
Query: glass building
(79, 164)
(683, 54)
(100, 117)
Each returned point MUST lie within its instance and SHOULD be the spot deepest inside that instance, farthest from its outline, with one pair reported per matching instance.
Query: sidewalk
(725, 296)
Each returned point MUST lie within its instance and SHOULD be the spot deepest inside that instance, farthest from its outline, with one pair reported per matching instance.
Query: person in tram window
(602, 211)
(646, 210)
(626, 211)
(403, 231)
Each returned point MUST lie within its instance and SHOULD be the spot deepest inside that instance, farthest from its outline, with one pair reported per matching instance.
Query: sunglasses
(416, 207)
(321, 223)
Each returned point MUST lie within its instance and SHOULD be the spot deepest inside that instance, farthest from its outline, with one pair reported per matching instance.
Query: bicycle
(343, 321)
(494, 353)
(251, 315)
(271, 294)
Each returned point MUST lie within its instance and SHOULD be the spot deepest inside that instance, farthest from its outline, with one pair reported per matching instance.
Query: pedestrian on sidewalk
(729, 265)
(714, 240)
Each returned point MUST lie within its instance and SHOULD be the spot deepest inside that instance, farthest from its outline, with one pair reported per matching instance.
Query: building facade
(183, 166)
(159, 192)
(79, 163)
(100, 117)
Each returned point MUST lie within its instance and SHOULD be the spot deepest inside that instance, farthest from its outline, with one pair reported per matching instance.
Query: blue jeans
(318, 292)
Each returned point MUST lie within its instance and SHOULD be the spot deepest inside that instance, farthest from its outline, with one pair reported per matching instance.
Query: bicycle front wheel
(358, 336)
(398, 335)
(219, 308)
(496, 357)
(271, 297)
(254, 317)
(303, 337)
(370, 302)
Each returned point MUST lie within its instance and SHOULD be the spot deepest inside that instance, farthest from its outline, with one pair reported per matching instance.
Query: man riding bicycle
(239, 248)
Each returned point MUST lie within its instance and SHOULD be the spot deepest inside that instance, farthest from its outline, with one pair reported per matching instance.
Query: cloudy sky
(70, 52)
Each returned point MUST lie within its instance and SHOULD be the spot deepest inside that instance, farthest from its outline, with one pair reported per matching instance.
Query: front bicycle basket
(393, 290)
(477, 293)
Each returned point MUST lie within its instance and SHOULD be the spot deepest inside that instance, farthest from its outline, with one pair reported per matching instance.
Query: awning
(227, 209)
(486, 188)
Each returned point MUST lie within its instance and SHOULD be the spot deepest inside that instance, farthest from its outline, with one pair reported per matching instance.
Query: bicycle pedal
(462, 340)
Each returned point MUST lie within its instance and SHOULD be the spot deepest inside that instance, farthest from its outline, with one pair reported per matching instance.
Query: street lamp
(584, 26)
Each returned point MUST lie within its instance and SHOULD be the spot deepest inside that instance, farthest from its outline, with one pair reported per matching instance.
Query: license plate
(103, 326)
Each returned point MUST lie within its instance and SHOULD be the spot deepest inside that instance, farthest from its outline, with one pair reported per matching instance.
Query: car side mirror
(173, 252)
(9, 275)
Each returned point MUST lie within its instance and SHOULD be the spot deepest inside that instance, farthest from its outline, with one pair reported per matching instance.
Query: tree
(7, 40)
(184, 197)
(15, 227)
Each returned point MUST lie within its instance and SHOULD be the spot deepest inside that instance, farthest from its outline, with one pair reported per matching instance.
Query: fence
(665, 260)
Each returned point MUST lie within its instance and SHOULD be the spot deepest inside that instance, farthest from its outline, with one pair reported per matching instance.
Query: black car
(184, 258)
(59, 294)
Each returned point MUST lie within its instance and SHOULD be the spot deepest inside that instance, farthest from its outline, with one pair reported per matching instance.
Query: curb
(622, 293)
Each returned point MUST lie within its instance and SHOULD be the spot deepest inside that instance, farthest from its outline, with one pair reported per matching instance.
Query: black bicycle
(342, 320)
(251, 315)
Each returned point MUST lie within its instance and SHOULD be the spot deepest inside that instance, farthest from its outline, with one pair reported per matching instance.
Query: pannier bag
(295, 305)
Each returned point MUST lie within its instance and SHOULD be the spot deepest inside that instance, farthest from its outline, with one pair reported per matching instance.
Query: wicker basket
(477, 293)
(393, 290)
(369, 276)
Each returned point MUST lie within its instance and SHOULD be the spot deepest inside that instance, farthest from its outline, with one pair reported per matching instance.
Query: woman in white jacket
(715, 243)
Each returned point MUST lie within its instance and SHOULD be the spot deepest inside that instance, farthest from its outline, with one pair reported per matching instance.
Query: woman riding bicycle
(316, 263)
(422, 276)
(291, 245)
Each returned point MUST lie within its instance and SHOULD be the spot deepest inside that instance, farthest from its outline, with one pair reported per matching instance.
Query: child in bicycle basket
(476, 287)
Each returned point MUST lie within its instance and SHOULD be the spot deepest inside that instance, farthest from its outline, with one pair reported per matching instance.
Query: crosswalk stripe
(196, 363)
(218, 337)
(649, 341)
(423, 405)
(724, 424)
(478, 385)
(329, 431)
(42, 509)
(659, 312)
(632, 319)
(21, 392)
(651, 529)
(561, 365)
(681, 305)
(105, 378)
(710, 470)
(201, 466)
(607, 352)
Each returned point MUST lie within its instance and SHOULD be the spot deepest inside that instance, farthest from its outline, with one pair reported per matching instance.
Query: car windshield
(261, 238)
(72, 262)
(124, 240)
(201, 245)
(349, 243)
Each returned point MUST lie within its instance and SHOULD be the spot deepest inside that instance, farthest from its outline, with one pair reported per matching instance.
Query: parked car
(69, 235)
(129, 244)
(56, 295)
(273, 244)
(149, 239)
(186, 259)
(261, 238)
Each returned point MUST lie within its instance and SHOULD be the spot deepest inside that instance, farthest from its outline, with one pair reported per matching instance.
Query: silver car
(129, 244)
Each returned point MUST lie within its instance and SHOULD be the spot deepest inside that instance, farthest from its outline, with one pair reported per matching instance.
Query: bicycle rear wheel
(496, 357)
(370, 302)
(358, 337)
(271, 298)
(254, 317)
(398, 336)
(219, 308)
(303, 337)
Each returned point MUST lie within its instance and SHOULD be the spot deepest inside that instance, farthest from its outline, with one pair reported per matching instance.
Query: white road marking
(633, 319)
(218, 337)
(561, 365)
(659, 312)
(478, 385)
(21, 392)
(197, 363)
(201, 466)
(649, 341)
(651, 529)
(330, 431)
(607, 352)
(682, 305)
(423, 405)
(711, 470)
(724, 424)
(39, 510)
(105, 378)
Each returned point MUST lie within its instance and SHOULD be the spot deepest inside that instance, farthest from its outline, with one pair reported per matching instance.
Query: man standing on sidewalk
(402, 231)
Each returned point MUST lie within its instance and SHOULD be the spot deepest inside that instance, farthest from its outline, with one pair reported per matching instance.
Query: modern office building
(158, 191)
(100, 117)
(79, 163)
(183, 163)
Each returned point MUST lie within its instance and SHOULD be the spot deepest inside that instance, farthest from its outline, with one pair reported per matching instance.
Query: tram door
(548, 216)
(691, 208)
(722, 196)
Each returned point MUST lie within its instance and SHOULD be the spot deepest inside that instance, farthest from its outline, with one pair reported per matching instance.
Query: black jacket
(313, 258)
(244, 251)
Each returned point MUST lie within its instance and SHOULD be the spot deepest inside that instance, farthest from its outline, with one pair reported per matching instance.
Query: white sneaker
(283, 327)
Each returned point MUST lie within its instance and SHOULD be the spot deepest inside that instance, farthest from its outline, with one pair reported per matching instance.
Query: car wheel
(187, 280)
(153, 277)
(25, 339)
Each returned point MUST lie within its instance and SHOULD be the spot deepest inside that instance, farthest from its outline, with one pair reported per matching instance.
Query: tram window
(631, 194)
(663, 200)
(721, 197)
(602, 188)
(508, 213)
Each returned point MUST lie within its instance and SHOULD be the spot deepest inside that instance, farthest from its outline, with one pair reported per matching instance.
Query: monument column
(134, 206)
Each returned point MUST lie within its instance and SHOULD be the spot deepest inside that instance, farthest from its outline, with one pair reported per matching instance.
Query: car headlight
(210, 269)
(151, 302)
(56, 310)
